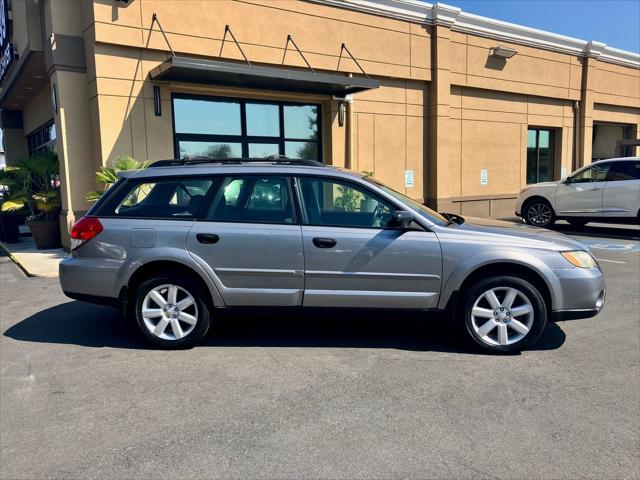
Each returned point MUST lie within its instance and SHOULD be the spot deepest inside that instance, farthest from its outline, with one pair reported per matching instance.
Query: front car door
(581, 196)
(621, 196)
(248, 238)
(352, 259)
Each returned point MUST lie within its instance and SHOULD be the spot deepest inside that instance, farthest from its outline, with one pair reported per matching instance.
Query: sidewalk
(38, 263)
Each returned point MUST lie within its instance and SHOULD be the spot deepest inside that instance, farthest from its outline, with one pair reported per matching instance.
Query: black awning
(193, 70)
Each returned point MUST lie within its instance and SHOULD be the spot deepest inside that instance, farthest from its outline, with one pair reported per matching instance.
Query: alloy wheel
(502, 316)
(169, 312)
(539, 214)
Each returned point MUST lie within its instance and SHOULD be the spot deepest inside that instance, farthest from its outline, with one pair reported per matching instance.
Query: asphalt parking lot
(277, 395)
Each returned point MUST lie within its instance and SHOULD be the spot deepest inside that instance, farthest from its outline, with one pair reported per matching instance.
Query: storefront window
(43, 139)
(540, 155)
(224, 128)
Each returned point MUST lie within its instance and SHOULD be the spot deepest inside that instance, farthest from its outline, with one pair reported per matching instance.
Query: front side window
(336, 203)
(540, 155)
(226, 128)
(595, 173)
(252, 199)
(627, 170)
(164, 199)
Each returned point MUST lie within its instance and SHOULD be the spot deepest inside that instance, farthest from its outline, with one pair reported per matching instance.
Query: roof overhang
(194, 70)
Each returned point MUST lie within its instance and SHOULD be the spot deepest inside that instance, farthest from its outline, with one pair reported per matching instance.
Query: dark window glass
(252, 199)
(207, 117)
(331, 202)
(42, 139)
(164, 199)
(223, 128)
(540, 155)
(627, 170)
(595, 173)
(263, 120)
(209, 149)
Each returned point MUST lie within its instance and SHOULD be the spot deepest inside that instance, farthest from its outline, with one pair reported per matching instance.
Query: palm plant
(31, 187)
(107, 176)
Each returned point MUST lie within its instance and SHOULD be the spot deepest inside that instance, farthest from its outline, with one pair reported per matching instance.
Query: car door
(621, 197)
(581, 194)
(248, 239)
(352, 259)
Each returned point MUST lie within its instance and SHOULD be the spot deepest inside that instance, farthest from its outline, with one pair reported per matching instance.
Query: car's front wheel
(503, 314)
(171, 311)
(539, 213)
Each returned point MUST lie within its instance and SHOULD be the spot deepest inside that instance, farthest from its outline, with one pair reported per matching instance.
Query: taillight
(83, 230)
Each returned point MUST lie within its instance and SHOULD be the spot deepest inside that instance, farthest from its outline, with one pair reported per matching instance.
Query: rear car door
(621, 197)
(248, 238)
(582, 195)
(352, 259)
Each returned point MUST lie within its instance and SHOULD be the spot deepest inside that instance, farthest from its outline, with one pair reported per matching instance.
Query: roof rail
(203, 160)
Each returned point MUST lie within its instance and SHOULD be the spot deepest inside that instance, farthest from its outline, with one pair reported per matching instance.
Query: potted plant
(107, 176)
(35, 189)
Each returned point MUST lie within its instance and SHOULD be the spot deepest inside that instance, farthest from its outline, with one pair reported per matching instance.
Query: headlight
(580, 258)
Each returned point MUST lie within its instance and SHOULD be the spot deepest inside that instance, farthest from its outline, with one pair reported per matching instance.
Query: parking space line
(612, 261)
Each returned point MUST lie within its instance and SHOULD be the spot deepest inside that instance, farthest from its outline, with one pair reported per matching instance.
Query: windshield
(435, 217)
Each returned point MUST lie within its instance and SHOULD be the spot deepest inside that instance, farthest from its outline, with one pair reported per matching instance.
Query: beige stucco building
(444, 117)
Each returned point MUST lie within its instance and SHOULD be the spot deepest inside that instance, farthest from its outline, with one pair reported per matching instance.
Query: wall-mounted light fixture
(342, 107)
(157, 105)
(54, 98)
(502, 52)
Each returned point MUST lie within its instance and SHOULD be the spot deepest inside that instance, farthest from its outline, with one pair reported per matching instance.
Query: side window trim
(358, 186)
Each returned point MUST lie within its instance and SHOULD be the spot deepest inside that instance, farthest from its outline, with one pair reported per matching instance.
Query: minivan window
(252, 199)
(336, 203)
(164, 198)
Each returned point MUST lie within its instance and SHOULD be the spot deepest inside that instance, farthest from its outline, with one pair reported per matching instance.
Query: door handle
(324, 242)
(207, 238)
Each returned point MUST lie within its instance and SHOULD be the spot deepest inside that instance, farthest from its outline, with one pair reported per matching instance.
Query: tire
(578, 222)
(490, 337)
(185, 321)
(539, 213)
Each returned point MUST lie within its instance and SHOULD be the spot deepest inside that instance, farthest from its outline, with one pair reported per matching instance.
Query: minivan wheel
(171, 312)
(539, 213)
(503, 314)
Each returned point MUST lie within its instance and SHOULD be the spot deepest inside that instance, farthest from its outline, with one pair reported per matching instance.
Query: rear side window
(252, 199)
(627, 170)
(175, 198)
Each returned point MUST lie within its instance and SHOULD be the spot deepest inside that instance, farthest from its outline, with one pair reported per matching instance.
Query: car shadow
(88, 325)
(601, 231)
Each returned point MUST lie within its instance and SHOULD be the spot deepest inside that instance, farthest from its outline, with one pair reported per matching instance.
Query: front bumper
(582, 293)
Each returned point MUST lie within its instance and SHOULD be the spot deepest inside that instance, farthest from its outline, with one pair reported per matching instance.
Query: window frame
(34, 148)
(244, 139)
(303, 213)
(552, 147)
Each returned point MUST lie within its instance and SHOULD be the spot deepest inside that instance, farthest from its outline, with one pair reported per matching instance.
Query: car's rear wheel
(539, 213)
(172, 311)
(577, 222)
(503, 314)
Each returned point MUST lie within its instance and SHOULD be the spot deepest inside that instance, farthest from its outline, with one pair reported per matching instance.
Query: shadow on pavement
(80, 323)
(600, 231)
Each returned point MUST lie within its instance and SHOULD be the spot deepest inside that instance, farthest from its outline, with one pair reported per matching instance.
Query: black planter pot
(46, 235)
(9, 231)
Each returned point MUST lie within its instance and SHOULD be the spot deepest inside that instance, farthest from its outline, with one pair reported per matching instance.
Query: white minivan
(604, 191)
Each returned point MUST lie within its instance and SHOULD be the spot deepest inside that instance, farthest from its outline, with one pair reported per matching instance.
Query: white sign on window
(408, 178)
(484, 177)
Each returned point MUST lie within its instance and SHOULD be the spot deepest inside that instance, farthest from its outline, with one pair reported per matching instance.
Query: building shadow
(595, 229)
(84, 324)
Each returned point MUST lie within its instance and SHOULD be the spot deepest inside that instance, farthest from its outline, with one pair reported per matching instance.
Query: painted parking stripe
(610, 261)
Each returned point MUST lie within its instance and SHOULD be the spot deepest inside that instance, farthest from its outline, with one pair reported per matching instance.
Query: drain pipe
(576, 135)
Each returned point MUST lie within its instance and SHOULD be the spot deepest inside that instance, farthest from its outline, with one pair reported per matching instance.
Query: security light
(502, 52)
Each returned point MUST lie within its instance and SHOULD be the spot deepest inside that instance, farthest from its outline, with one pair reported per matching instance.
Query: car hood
(516, 235)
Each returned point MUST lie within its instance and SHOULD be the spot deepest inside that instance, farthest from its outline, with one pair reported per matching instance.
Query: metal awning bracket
(227, 29)
(286, 46)
(154, 19)
(344, 48)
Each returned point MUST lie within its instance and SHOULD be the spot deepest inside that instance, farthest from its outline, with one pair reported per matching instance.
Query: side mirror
(567, 180)
(400, 219)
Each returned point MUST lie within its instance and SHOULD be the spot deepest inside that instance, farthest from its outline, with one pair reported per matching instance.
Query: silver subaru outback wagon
(174, 243)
